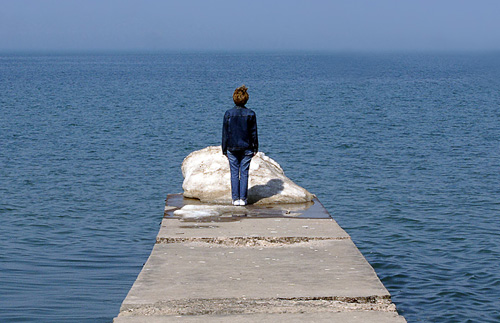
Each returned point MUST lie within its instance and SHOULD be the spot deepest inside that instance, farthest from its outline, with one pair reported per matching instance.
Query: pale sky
(344, 25)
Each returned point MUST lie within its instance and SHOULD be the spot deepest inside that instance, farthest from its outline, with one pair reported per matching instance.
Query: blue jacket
(239, 130)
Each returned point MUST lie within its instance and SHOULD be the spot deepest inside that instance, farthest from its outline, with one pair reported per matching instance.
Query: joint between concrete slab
(231, 306)
(249, 241)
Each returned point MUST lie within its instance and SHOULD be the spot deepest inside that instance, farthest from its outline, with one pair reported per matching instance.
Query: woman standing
(239, 143)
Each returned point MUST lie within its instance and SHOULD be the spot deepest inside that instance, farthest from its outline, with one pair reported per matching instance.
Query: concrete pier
(280, 263)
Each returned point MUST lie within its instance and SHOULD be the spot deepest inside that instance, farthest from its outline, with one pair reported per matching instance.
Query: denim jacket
(239, 130)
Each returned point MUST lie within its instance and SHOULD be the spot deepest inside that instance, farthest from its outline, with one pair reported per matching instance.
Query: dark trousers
(239, 164)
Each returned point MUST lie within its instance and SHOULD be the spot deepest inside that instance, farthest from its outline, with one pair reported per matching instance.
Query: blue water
(402, 149)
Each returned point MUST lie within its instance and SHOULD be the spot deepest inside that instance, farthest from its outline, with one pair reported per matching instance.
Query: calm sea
(402, 149)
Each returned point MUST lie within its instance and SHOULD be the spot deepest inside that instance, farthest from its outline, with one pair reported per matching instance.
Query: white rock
(207, 178)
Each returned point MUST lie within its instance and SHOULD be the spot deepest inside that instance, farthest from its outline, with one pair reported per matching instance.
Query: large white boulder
(207, 178)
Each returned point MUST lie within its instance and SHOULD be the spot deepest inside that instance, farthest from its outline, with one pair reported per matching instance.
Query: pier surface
(279, 263)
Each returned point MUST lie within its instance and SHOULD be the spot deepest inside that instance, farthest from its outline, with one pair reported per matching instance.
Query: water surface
(402, 149)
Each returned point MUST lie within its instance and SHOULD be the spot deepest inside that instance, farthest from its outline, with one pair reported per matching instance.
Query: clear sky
(372, 25)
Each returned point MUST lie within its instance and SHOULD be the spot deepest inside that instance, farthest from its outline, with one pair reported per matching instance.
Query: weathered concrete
(276, 228)
(256, 266)
(317, 317)
(290, 272)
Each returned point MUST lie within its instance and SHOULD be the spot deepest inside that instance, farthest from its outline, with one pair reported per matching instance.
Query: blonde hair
(240, 96)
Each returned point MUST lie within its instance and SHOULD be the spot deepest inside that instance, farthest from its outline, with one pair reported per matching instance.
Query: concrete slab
(322, 317)
(172, 229)
(333, 270)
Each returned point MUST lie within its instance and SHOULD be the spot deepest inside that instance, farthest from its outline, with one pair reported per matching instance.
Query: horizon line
(247, 51)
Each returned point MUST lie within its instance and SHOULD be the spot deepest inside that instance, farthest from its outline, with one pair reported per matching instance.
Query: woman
(239, 143)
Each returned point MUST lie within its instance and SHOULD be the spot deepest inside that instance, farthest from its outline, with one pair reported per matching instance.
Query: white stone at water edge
(207, 178)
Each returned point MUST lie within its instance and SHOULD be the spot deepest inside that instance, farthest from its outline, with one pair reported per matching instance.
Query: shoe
(236, 202)
(242, 202)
